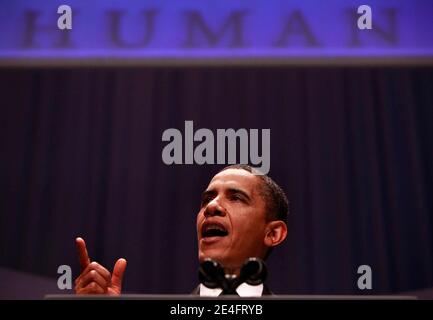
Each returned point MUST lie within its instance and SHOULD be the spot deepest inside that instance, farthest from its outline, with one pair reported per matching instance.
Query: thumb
(118, 271)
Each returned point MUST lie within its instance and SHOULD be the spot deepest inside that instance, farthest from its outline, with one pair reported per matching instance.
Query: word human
(181, 148)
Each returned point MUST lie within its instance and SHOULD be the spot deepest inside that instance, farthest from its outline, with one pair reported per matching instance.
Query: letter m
(196, 26)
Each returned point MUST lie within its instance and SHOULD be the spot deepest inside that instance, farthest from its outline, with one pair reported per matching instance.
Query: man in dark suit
(243, 214)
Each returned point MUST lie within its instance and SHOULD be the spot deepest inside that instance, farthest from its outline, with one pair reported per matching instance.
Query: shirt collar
(244, 290)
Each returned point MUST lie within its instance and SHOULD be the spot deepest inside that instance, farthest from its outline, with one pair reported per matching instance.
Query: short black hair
(277, 205)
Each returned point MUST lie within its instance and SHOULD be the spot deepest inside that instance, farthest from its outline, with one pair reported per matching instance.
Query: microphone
(253, 272)
(212, 275)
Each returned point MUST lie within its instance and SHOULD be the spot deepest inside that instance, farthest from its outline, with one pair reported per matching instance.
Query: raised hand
(94, 278)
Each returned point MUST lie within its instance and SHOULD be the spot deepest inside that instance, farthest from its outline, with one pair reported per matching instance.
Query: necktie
(229, 294)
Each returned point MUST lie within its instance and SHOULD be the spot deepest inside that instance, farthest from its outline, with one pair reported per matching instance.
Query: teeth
(213, 229)
(214, 226)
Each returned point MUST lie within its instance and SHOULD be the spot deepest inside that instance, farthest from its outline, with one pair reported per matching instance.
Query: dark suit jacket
(266, 291)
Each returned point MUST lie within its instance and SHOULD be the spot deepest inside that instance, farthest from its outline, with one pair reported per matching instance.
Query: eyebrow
(229, 190)
(239, 191)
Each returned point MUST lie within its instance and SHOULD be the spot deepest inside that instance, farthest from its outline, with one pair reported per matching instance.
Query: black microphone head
(211, 273)
(254, 271)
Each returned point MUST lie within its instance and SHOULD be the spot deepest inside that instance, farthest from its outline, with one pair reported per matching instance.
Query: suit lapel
(196, 291)
(267, 291)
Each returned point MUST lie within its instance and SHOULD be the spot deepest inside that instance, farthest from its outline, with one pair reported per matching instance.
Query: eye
(236, 197)
(205, 200)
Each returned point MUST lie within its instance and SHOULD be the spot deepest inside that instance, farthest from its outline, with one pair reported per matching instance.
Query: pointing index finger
(83, 256)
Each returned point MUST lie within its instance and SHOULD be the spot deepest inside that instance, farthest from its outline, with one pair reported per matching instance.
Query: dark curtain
(80, 154)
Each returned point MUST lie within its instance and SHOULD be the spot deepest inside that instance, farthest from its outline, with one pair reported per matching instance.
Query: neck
(236, 271)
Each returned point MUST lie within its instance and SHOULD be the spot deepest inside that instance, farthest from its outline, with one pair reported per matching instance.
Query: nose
(214, 208)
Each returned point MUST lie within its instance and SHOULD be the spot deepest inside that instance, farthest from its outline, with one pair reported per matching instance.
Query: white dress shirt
(244, 290)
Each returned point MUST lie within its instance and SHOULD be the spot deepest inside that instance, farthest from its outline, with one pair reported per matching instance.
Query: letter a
(65, 20)
(172, 152)
(365, 21)
(65, 280)
(364, 281)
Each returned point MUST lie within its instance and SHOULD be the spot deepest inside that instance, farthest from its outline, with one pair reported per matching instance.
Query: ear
(276, 232)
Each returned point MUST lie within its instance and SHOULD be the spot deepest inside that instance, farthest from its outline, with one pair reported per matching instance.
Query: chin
(211, 254)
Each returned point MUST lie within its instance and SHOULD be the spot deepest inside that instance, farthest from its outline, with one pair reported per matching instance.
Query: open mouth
(213, 230)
